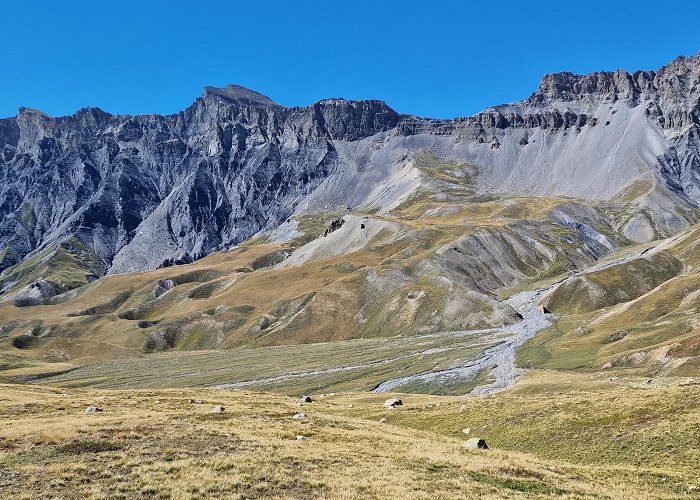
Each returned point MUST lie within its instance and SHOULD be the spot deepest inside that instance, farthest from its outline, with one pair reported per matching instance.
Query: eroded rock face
(149, 191)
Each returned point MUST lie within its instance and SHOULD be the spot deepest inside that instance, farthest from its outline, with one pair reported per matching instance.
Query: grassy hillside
(64, 266)
(607, 412)
(642, 315)
(437, 263)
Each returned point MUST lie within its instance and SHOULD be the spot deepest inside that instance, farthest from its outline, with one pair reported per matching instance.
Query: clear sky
(431, 58)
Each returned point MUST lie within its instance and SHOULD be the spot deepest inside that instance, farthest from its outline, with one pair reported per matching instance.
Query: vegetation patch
(530, 487)
(89, 446)
(105, 308)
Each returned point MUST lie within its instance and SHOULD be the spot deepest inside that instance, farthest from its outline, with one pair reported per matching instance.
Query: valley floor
(564, 435)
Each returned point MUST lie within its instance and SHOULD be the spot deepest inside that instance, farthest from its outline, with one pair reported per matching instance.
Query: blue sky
(430, 58)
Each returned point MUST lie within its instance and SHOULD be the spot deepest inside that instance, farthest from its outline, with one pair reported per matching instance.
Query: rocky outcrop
(334, 225)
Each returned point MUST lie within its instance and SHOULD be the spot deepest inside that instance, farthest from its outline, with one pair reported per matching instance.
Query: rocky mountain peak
(679, 76)
(352, 120)
(30, 112)
(683, 64)
(567, 86)
(236, 94)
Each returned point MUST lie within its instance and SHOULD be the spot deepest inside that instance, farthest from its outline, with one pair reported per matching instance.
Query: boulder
(93, 409)
(218, 409)
(475, 444)
(299, 416)
(393, 403)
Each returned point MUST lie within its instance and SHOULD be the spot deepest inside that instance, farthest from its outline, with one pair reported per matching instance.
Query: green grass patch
(531, 487)
(89, 446)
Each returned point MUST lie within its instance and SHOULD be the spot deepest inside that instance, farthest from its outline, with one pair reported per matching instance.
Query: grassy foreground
(588, 438)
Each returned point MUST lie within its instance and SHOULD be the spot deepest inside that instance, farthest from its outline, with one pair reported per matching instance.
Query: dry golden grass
(156, 444)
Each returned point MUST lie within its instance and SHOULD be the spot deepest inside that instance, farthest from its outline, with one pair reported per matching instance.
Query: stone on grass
(218, 409)
(393, 403)
(382, 420)
(301, 438)
(466, 430)
(475, 444)
(299, 416)
(93, 409)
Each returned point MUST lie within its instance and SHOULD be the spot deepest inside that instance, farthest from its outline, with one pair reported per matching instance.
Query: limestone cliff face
(670, 98)
(147, 191)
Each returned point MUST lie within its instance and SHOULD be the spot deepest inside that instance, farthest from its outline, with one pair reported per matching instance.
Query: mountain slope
(638, 313)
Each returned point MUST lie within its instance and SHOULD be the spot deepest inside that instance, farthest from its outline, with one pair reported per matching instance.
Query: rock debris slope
(131, 193)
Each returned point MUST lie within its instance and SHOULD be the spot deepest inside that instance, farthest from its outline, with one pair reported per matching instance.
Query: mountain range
(241, 222)
(142, 192)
